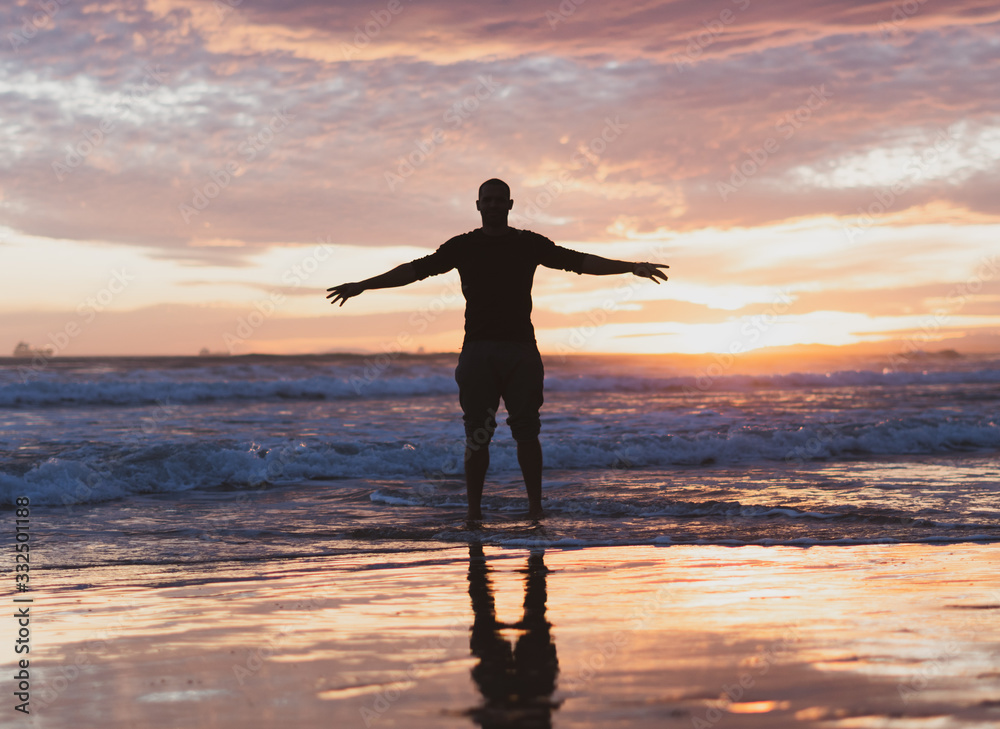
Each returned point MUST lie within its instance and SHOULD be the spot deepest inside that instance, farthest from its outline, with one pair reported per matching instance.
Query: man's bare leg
(477, 461)
(529, 457)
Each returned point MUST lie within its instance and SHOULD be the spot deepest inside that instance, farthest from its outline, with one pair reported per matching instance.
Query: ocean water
(180, 460)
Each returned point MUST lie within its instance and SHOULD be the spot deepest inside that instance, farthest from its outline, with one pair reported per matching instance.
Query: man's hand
(650, 270)
(344, 292)
(399, 276)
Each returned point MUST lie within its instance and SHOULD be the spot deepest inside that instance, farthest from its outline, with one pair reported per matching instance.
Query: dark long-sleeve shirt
(497, 273)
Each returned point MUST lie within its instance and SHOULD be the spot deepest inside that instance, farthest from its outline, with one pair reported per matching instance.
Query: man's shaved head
(495, 181)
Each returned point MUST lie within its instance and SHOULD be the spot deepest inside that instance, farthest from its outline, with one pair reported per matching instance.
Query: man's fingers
(340, 293)
(651, 271)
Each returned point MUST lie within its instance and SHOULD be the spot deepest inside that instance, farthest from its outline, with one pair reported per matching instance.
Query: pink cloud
(543, 124)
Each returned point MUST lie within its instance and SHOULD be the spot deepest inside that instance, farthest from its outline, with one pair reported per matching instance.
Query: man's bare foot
(474, 515)
(535, 513)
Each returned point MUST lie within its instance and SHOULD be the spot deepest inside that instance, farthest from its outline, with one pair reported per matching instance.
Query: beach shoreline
(685, 635)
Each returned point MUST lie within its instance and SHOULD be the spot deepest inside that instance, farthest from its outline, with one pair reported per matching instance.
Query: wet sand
(703, 636)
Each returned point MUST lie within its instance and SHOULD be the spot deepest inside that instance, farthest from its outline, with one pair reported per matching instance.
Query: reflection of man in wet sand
(516, 682)
(499, 356)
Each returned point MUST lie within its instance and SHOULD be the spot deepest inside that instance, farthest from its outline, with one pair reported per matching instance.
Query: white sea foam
(103, 472)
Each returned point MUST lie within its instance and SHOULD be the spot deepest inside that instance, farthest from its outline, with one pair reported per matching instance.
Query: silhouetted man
(499, 355)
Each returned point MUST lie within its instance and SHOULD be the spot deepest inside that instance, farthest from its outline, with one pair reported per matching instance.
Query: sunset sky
(180, 174)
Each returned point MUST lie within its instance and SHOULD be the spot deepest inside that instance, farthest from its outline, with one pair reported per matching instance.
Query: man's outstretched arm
(399, 276)
(597, 266)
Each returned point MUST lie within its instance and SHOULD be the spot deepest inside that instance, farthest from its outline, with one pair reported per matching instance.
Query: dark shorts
(490, 370)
